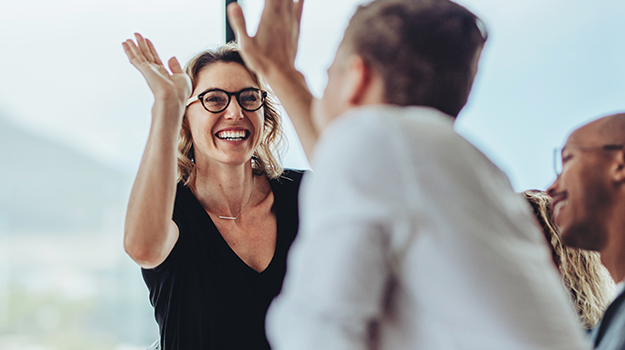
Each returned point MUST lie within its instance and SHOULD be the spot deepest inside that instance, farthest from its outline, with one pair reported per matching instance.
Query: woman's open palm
(143, 56)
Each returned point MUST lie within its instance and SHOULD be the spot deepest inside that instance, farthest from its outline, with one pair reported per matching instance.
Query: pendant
(227, 217)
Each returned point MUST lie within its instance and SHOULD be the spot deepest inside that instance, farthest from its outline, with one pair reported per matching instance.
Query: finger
(143, 46)
(127, 51)
(133, 53)
(297, 11)
(174, 66)
(237, 21)
(278, 6)
(157, 59)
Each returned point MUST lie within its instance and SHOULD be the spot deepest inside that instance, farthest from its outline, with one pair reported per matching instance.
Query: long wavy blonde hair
(265, 160)
(587, 280)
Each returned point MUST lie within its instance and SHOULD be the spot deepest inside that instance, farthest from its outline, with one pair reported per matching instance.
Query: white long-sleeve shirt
(411, 238)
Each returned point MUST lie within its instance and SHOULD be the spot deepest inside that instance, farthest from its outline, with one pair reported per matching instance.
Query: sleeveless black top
(204, 295)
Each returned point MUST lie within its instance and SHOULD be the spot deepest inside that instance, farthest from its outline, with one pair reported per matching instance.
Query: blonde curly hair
(266, 157)
(589, 284)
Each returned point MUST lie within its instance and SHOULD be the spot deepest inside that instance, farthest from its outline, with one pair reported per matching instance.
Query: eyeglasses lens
(250, 99)
(557, 161)
(215, 101)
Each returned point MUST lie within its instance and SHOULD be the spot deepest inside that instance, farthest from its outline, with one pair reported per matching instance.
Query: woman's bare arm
(150, 233)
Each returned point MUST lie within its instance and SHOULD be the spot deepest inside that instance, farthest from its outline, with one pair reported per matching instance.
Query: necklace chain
(245, 206)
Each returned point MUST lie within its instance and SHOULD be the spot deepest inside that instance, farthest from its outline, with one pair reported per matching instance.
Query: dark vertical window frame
(229, 31)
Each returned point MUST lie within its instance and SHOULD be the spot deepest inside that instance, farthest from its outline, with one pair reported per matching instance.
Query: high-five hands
(174, 87)
(275, 44)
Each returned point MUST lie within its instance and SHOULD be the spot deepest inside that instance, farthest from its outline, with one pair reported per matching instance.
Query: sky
(548, 67)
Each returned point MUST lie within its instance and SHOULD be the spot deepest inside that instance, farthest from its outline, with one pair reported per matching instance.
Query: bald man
(589, 209)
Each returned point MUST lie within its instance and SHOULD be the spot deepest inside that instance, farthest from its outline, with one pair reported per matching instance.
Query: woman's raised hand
(150, 234)
(171, 87)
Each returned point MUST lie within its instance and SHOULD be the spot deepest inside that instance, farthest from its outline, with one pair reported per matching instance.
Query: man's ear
(358, 81)
(618, 167)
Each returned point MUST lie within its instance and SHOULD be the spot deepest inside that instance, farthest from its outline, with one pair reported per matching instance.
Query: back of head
(588, 282)
(426, 51)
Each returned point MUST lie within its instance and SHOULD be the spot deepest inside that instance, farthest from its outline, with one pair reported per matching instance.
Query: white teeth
(558, 207)
(232, 135)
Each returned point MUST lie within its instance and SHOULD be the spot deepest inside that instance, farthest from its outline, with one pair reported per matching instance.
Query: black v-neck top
(204, 295)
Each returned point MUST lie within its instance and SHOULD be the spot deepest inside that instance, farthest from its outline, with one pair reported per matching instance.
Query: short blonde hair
(265, 160)
(587, 280)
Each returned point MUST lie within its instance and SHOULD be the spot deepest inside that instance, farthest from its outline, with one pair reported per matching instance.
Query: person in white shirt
(589, 206)
(410, 237)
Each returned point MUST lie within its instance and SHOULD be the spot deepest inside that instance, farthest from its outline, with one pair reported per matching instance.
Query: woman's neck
(222, 189)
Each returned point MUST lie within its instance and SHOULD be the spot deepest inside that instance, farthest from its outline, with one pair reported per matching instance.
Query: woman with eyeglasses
(211, 214)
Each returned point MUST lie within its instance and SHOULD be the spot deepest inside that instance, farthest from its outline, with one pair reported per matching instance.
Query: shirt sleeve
(340, 266)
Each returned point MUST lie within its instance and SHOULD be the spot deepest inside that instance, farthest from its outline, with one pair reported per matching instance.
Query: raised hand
(175, 87)
(271, 52)
(275, 44)
(150, 233)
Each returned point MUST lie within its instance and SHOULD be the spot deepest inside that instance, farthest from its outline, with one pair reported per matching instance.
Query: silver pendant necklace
(245, 206)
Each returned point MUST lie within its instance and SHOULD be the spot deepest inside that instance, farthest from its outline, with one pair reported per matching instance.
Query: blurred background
(74, 118)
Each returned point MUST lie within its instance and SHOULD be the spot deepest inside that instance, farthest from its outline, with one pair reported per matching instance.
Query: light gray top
(411, 238)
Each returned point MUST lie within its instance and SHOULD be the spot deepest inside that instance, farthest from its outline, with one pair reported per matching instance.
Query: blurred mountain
(49, 187)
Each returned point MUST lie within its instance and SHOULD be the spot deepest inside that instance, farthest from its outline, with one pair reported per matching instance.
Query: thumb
(174, 66)
(237, 21)
(297, 10)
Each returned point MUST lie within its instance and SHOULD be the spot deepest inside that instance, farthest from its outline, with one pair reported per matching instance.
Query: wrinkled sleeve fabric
(340, 266)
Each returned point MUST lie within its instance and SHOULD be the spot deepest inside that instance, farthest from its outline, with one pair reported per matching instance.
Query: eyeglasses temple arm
(191, 100)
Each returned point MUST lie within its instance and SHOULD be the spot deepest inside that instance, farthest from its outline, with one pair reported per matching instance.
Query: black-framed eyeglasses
(217, 100)
(557, 154)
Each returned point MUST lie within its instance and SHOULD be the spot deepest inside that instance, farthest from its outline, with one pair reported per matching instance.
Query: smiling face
(230, 136)
(583, 193)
